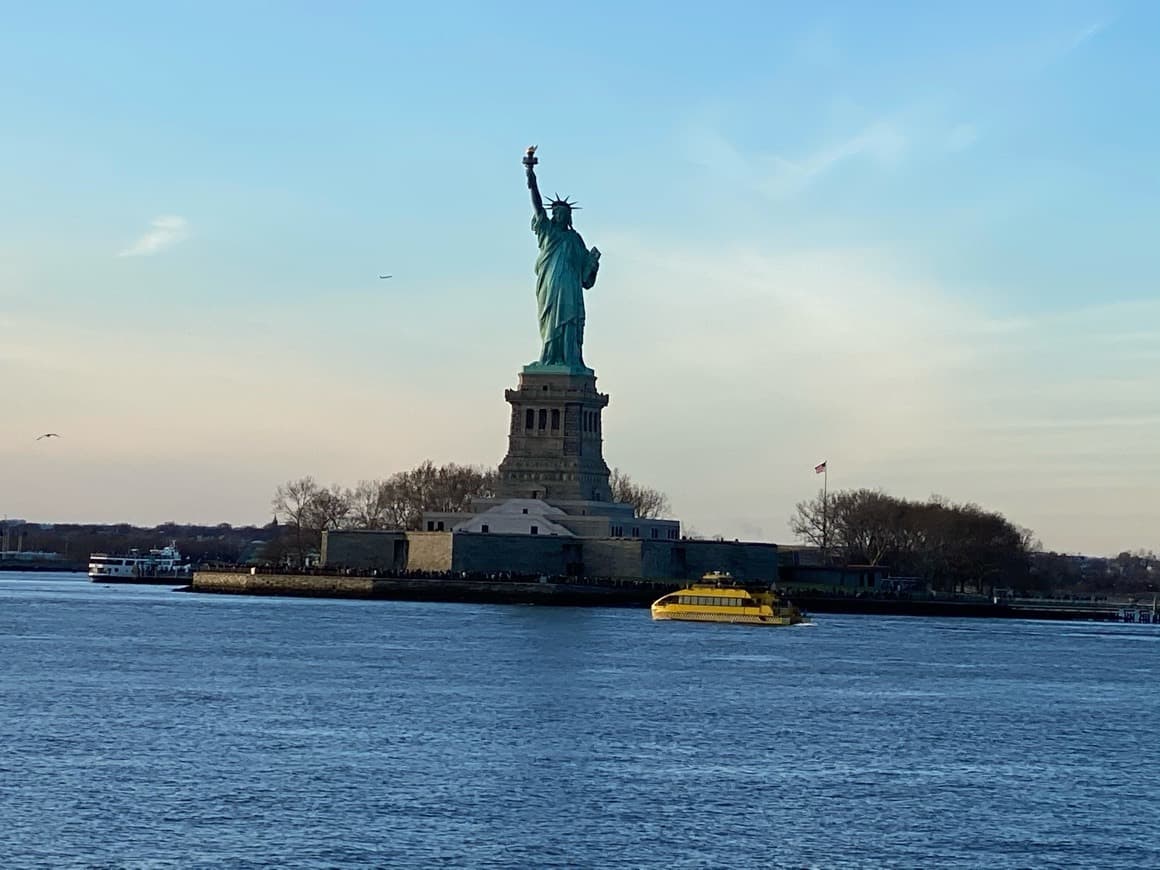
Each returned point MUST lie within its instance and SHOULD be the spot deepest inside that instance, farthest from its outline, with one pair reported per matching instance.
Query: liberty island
(553, 514)
(551, 530)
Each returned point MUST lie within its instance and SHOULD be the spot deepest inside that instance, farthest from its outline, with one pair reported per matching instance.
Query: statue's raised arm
(530, 161)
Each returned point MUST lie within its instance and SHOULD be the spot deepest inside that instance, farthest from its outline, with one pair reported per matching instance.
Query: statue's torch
(530, 159)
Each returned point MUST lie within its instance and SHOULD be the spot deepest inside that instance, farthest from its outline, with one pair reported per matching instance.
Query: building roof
(517, 516)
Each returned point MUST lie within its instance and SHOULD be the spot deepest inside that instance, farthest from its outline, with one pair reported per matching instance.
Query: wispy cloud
(1033, 56)
(885, 141)
(882, 144)
(1088, 33)
(163, 232)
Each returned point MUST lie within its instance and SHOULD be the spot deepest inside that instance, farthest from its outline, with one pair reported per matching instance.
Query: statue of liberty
(564, 269)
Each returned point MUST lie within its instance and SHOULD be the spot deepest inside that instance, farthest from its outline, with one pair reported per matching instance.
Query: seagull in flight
(47, 435)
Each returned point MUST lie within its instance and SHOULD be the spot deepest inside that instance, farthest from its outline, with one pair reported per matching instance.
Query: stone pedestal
(555, 446)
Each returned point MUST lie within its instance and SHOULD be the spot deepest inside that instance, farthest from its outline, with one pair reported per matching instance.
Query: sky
(913, 240)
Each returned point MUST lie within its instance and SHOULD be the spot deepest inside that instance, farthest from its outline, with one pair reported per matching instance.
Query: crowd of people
(475, 576)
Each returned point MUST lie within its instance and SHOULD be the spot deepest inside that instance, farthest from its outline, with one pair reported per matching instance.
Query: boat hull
(168, 580)
(775, 620)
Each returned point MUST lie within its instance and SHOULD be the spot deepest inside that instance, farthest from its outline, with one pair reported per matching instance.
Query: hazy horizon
(913, 242)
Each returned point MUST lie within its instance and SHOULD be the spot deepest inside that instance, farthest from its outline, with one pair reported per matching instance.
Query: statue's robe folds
(564, 269)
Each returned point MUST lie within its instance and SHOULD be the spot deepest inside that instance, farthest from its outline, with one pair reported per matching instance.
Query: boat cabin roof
(713, 589)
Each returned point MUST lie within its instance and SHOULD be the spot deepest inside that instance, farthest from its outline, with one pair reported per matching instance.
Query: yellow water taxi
(719, 598)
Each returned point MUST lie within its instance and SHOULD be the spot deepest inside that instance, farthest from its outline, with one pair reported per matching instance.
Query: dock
(622, 592)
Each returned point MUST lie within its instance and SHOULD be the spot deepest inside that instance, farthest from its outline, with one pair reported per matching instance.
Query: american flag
(818, 469)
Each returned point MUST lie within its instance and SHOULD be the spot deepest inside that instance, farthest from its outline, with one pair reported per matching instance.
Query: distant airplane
(47, 435)
(385, 276)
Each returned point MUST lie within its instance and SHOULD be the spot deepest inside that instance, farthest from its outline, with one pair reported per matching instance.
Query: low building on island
(533, 537)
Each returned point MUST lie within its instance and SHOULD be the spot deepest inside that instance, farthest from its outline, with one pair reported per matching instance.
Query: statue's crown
(556, 200)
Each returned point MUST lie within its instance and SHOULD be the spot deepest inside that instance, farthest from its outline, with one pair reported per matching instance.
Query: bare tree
(647, 502)
(809, 521)
(864, 523)
(330, 509)
(407, 495)
(398, 503)
(293, 503)
(367, 505)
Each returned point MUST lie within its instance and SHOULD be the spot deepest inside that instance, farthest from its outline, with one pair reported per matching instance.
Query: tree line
(1137, 571)
(952, 547)
(75, 542)
(307, 508)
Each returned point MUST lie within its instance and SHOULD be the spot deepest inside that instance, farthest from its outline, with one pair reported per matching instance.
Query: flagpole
(825, 510)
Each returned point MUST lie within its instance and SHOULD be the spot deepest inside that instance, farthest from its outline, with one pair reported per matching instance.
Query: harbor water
(140, 727)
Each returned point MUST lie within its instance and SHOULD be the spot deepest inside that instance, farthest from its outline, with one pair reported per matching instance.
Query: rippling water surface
(145, 728)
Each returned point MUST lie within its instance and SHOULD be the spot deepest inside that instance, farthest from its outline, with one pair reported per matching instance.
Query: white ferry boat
(157, 566)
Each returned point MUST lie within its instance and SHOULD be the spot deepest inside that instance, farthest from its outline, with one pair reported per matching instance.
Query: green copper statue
(564, 269)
